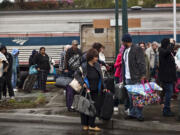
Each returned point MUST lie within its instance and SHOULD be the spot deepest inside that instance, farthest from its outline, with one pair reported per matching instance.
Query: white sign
(113, 22)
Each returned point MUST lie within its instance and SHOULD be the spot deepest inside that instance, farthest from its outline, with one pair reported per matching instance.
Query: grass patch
(23, 104)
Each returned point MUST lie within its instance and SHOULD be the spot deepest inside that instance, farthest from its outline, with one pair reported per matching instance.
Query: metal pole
(174, 12)
(117, 25)
(124, 17)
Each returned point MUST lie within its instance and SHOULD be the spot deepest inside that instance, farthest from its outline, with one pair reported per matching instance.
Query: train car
(27, 30)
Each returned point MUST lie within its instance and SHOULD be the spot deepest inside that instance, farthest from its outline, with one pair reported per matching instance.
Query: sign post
(174, 12)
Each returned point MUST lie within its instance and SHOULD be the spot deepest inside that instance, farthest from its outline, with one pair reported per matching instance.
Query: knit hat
(165, 43)
(127, 38)
(34, 52)
(75, 42)
(2, 47)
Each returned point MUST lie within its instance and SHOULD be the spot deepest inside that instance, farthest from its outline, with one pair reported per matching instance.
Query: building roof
(167, 5)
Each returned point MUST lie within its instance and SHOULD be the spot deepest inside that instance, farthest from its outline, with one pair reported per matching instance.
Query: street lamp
(174, 12)
(117, 25)
(124, 21)
(124, 17)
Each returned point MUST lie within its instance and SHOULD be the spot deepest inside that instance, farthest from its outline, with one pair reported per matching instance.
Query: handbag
(141, 101)
(75, 83)
(151, 97)
(143, 88)
(76, 100)
(62, 81)
(177, 63)
(120, 92)
(85, 104)
(33, 70)
(52, 70)
(178, 86)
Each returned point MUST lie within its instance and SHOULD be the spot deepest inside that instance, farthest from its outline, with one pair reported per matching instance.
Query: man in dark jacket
(167, 73)
(134, 70)
(73, 59)
(7, 75)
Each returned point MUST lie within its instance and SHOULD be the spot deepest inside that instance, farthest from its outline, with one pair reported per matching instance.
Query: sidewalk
(55, 112)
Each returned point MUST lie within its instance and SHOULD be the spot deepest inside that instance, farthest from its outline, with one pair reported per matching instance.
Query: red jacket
(118, 67)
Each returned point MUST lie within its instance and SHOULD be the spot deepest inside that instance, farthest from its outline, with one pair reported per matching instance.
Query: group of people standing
(136, 63)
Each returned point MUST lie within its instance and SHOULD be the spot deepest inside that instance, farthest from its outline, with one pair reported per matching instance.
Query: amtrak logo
(21, 40)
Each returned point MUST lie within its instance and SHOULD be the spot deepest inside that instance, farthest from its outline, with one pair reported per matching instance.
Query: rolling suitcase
(107, 107)
(29, 83)
(22, 78)
(109, 84)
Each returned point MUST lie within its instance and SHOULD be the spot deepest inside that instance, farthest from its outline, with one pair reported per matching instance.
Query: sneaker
(171, 114)
(3, 98)
(15, 90)
(116, 109)
(64, 92)
(96, 129)
(85, 128)
(127, 112)
(178, 119)
(141, 119)
(71, 110)
(130, 117)
(12, 97)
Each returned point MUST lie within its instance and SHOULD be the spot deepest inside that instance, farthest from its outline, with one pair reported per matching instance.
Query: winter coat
(73, 59)
(78, 75)
(15, 64)
(167, 66)
(3, 64)
(147, 67)
(62, 61)
(151, 56)
(42, 62)
(118, 67)
(9, 58)
(137, 64)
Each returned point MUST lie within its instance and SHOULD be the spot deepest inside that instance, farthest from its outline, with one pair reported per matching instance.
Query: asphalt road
(7, 128)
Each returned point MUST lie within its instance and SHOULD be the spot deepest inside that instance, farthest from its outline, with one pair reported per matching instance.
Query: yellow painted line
(50, 82)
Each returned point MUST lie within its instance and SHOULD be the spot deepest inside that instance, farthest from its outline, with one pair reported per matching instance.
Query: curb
(112, 124)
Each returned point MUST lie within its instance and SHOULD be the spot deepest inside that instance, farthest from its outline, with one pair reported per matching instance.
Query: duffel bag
(62, 81)
(120, 92)
(141, 101)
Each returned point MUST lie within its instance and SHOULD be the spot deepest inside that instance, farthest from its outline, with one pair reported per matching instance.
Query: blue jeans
(14, 79)
(168, 89)
(134, 111)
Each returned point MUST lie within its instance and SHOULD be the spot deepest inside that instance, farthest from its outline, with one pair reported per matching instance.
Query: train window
(99, 30)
